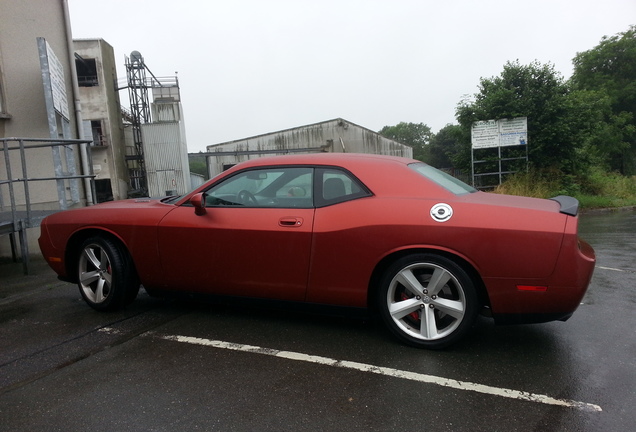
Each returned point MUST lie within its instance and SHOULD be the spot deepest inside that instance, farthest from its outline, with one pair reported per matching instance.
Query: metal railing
(17, 218)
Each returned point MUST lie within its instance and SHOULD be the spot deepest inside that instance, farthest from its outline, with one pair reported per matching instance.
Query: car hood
(146, 210)
(129, 203)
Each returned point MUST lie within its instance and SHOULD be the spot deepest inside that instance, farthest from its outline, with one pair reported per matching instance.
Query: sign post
(491, 134)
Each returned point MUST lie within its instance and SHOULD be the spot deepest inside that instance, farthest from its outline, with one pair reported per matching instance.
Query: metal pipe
(25, 182)
(258, 152)
(78, 108)
(7, 162)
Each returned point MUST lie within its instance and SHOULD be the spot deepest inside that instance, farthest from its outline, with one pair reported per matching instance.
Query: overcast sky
(248, 67)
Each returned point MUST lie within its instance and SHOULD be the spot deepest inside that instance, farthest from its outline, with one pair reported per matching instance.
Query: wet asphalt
(166, 365)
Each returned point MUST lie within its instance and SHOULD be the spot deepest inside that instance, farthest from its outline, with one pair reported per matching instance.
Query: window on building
(86, 71)
(97, 133)
(104, 190)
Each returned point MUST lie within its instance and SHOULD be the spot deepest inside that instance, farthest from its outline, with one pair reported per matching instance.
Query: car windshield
(446, 181)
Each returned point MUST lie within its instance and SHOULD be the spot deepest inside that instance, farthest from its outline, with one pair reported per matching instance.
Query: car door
(253, 240)
(345, 239)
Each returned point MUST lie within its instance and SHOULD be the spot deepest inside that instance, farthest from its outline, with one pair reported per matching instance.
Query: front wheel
(106, 275)
(427, 300)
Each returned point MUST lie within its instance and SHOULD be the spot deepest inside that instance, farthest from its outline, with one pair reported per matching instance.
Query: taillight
(536, 288)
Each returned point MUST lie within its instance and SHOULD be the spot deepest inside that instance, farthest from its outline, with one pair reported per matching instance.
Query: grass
(530, 184)
(594, 201)
(594, 189)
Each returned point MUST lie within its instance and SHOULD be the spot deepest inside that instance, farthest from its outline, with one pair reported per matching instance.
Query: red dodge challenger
(421, 249)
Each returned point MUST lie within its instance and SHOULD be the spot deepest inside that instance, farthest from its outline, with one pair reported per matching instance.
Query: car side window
(338, 186)
(280, 187)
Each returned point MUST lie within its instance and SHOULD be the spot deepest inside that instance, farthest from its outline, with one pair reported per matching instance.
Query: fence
(22, 211)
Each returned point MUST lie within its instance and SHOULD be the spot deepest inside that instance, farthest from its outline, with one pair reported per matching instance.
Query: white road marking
(396, 373)
(610, 268)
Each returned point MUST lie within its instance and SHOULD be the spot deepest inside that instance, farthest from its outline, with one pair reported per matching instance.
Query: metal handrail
(18, 223)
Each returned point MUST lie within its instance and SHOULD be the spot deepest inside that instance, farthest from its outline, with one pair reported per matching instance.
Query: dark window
(98, 135)
(338, 186)
(86, 72)
(103, 190)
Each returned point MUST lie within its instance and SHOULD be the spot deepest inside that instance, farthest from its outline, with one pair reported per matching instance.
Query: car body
(422, 249)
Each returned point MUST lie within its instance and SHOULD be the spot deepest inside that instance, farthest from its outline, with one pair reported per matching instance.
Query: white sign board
(499, 133)
(58, 84)
(513, 132)
(485, 134)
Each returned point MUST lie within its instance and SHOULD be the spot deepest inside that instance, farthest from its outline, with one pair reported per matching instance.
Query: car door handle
(290, 222)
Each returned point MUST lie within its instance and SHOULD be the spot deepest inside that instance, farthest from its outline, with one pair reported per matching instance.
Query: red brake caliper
(415, 315)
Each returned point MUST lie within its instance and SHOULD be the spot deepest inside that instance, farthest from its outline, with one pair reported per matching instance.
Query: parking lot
(164, 365)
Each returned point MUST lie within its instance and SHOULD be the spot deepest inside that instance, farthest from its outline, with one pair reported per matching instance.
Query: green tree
(417, 135)
(609, 69)
(445, 148)
(198, 165)
(535, 91)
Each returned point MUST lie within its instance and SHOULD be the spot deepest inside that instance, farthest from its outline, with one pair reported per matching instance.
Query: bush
(594, 189)
(610, 184)
(532, 184)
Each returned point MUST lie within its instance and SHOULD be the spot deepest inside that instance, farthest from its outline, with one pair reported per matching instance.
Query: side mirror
(198, 201)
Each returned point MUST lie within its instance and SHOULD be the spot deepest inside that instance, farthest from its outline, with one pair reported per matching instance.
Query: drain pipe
(78, 108)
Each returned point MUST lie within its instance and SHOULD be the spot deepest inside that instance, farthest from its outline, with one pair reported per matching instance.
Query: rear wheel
(427, 300)
(106, 275)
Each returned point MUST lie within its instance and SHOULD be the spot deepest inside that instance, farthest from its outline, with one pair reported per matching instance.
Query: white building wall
(337, 136)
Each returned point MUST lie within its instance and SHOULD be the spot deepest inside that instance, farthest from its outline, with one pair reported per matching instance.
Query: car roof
(382, 174)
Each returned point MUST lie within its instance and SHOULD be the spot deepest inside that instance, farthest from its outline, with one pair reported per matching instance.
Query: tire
(107, 278)
(427, 300)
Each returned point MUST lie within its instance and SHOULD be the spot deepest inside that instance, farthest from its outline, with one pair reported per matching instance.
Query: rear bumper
(561, 293)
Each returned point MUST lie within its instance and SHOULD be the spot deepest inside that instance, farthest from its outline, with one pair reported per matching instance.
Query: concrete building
(61, 123)
(102, 117)
(337, 136)
(22, 108)
(38, 108)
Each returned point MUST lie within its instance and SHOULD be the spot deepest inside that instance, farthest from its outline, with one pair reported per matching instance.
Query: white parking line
(616, 269)
(610, 268)
(396, 373)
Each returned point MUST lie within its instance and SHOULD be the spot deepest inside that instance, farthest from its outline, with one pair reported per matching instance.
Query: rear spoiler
(569, 205)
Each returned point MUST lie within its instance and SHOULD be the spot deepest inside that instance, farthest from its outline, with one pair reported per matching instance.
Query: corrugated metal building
(166, 154)
(336, 136)
(165, 146)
